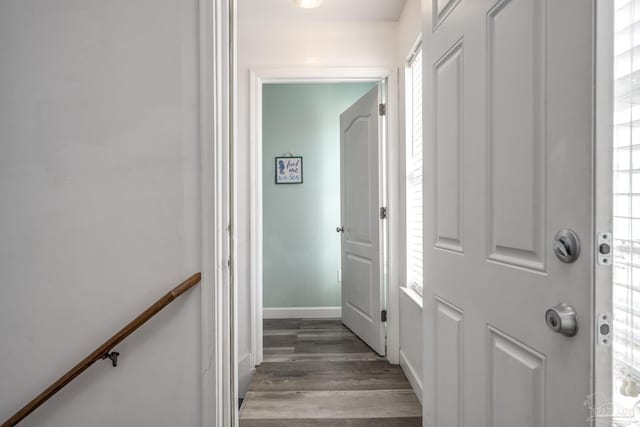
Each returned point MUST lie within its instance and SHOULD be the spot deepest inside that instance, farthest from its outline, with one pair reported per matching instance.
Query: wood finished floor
(318, 373)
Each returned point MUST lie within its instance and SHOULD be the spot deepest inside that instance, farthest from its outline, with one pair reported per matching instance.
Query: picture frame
(289, 170)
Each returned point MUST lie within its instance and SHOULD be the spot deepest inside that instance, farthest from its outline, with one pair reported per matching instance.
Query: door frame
(602, 365)
(216, 133)
(389, 173)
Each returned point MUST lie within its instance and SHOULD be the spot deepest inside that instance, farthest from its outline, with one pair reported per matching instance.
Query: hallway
(318, 373)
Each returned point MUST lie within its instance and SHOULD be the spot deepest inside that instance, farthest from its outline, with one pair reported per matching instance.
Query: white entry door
(508, 163)
(362, 285)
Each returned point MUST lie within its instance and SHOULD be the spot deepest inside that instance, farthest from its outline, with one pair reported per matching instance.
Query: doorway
(301, 197)
(338, 128)
(296, 252)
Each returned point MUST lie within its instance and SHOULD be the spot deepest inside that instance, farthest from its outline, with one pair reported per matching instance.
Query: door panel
(516, 383)
(515, 136)
(508, 106)
(442, 8)
(447, 163)
(449, 336)
(358, 157)
(359, 278)
(361, 266)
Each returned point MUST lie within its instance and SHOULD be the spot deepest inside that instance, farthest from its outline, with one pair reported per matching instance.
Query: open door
(362, 284)
(508, 166)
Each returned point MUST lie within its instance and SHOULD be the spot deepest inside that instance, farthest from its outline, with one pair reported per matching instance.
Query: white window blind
(414, 170)
(626, 170)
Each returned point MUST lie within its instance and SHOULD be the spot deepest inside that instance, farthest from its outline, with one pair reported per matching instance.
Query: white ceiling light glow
(307, 4)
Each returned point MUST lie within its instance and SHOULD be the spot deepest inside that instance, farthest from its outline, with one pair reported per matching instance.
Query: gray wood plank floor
(318, 373)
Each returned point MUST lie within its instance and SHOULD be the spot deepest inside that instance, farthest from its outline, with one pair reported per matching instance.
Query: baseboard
(409, 371)
(302, 313)
(245, 374)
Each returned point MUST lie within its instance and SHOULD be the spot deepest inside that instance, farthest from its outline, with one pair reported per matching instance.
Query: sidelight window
(413, 148)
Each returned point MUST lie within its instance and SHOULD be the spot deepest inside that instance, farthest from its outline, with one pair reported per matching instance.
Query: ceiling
(329, 11)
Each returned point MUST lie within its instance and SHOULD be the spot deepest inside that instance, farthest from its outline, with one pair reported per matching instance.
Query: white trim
(409, 370)
(255, 244)
(217, 370)
(320, 75)
(258, 77)
(302, 312)
(415, 48)
(395, 219)
(231, 43)
(412, 376)
(413, 295)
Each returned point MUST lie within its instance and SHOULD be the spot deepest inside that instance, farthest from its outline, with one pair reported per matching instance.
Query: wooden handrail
(103, 350)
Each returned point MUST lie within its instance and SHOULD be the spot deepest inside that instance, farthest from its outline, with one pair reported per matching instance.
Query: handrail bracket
(113, 356)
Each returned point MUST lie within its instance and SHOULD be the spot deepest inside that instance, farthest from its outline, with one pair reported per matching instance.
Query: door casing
(216, 88)
(389, 172)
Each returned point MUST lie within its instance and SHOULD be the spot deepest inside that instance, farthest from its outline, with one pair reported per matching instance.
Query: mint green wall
(301, 246)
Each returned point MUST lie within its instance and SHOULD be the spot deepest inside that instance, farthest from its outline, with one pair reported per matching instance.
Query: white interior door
(362, 285)
(508, 163)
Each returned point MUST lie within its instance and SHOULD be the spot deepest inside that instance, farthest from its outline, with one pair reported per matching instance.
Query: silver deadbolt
(562, 320)
(566, 245)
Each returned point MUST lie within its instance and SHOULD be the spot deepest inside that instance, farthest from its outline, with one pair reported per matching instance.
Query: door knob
(562, 320)
(340, 229)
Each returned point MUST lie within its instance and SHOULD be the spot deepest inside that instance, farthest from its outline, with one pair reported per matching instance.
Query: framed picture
(289, 170)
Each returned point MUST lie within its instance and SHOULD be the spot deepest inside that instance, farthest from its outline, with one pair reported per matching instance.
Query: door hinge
(383, 213)
(382, 109)
(383, 316)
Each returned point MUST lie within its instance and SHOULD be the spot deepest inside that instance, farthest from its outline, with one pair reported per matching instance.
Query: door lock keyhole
(562, 320)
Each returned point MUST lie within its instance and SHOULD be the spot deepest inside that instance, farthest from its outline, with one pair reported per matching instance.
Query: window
(626, 190)
(413, 148)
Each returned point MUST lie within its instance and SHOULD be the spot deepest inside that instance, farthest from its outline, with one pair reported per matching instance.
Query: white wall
(284, 45)
(409, 28)
(411, 338)
(99, 183)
